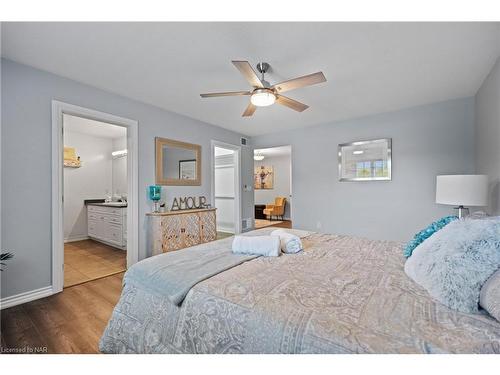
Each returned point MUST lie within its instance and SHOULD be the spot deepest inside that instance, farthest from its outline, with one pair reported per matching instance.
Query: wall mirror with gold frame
(177, 163)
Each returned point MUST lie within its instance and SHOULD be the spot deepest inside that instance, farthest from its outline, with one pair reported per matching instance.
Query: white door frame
(58, 109)
(237, 180)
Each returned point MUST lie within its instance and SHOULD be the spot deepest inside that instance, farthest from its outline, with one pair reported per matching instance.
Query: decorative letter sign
(189, 203)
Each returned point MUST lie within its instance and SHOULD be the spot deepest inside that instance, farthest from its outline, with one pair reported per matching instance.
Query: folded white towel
(289, 243)
(268, 246)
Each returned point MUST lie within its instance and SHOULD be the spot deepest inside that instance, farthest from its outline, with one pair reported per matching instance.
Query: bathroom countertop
(108, 205)
(101, 202)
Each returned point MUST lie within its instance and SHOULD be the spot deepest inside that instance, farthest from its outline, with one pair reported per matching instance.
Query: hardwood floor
(283, 224)
(69, 322)
(222, 235)
(89, 260)
(261, 223)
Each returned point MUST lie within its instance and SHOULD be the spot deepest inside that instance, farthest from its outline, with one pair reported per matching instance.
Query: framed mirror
(177, 163)
(365, 160)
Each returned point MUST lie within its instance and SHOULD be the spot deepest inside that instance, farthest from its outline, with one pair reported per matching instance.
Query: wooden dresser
(176, 230)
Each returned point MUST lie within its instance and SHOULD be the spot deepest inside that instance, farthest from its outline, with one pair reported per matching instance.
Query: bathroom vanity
(107, 223)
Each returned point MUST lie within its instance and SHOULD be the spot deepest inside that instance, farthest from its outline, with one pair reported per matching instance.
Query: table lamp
(462, 190)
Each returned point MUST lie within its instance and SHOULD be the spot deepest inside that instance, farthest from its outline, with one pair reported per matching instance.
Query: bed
(341, 294)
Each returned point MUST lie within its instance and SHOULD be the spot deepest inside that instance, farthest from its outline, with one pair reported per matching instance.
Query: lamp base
(461, 210)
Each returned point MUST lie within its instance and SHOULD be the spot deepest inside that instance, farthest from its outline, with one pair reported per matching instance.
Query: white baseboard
(75, 238)
(21, 298)
(224, 229)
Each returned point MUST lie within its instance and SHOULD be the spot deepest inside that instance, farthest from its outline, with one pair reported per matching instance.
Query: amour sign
(188, 203)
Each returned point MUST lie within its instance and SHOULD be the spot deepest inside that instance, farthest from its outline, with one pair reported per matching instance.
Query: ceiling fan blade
(229, 93)
(292, 84)
(246, 69)
(249, 111)
(290, 103)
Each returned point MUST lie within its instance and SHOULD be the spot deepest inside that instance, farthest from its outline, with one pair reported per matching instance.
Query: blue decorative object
(426, 233)
(155, 195)
(155, 192)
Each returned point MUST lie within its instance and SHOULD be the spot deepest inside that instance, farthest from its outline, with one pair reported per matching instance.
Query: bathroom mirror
(177, 163)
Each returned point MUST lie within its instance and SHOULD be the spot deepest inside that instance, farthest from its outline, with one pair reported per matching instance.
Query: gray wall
(427, 141)
(92, 180)
(26, 163)
(488, 134)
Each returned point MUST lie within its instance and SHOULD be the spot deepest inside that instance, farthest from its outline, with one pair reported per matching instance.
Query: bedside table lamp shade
(462, 190)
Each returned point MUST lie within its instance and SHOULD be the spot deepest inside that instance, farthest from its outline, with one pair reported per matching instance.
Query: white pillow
(268, 246)
(290, 243)
(489, 299)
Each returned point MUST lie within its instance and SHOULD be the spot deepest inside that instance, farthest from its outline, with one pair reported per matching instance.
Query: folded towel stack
(289, 243)
(268, 246)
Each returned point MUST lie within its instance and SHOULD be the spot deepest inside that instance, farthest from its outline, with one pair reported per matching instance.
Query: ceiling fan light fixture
(263, 97)
(262, 94)
(257, 155)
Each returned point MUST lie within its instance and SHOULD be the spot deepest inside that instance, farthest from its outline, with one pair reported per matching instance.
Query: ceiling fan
(263, 94)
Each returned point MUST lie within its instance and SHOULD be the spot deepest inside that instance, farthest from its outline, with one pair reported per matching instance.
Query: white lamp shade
(462, 190)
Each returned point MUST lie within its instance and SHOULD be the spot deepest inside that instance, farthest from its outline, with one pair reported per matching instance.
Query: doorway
(226, 188)
(95, 199)
(273, 187)
(94, 195)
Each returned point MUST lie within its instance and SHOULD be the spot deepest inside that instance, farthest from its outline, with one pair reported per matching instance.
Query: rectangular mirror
(365, 160)
(177, 163)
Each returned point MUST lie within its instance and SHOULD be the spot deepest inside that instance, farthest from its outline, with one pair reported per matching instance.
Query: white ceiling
(370, 67)
(91, 127)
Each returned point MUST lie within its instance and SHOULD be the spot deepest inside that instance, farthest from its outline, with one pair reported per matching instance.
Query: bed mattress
(341, 294)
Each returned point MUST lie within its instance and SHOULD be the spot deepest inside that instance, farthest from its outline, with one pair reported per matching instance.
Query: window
(363, 169)
(371, 168)
(379, 168)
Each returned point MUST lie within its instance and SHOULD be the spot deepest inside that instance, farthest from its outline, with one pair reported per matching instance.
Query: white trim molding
(25, 297)
(58, 109)
(76, 238)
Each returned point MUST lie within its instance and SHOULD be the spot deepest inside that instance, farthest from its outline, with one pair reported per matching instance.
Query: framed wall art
(187, 169)
(264, 177)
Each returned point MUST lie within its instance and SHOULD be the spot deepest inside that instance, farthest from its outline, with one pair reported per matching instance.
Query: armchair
(277, 209)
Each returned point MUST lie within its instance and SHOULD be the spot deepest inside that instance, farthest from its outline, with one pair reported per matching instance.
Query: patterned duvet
(341, 295)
